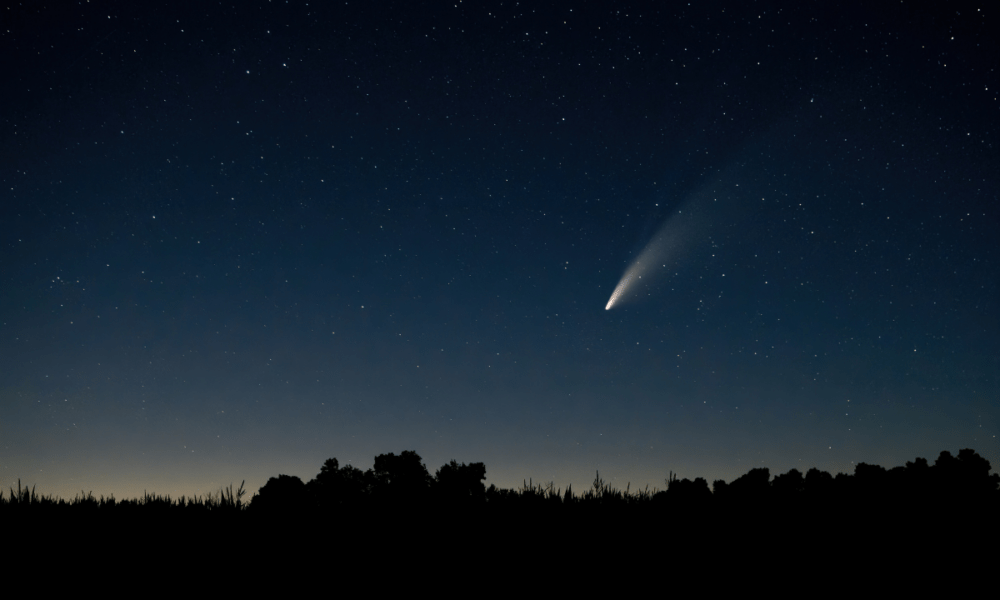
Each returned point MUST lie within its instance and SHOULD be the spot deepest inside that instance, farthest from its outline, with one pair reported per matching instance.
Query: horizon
(251, 491)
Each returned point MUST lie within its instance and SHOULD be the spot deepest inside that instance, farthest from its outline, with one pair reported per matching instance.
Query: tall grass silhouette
(403, 489)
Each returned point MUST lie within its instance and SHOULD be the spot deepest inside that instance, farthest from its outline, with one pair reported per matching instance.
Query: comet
(661, 251)
(618, 290)
(708, 212)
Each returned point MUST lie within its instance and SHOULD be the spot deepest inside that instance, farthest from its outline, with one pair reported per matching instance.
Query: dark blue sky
(235, 242)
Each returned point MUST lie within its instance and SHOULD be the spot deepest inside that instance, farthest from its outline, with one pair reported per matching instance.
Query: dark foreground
(917, 522)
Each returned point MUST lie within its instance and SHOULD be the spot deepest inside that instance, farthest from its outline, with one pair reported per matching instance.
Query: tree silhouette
(788, 486)
(967, 476)
(687, 492)
(281, 494)
(461, 483)
(818, 483)
(400, 478)
(753, 485)
(870, 480)
(338, 487)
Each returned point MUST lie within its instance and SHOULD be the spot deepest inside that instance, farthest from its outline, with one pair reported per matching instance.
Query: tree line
(401, 484)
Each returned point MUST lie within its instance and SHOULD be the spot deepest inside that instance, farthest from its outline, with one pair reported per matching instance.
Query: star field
(236, 241)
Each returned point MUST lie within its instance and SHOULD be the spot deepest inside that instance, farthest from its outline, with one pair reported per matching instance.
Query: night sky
(236, 241)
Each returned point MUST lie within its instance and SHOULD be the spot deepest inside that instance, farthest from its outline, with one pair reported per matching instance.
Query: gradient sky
(238, 241)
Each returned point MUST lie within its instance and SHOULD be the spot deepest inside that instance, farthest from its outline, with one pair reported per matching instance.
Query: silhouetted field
(394, 523)
(398, 493)
(902, 529)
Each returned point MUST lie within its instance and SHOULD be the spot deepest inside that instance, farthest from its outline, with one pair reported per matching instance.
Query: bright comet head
(618, 290)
